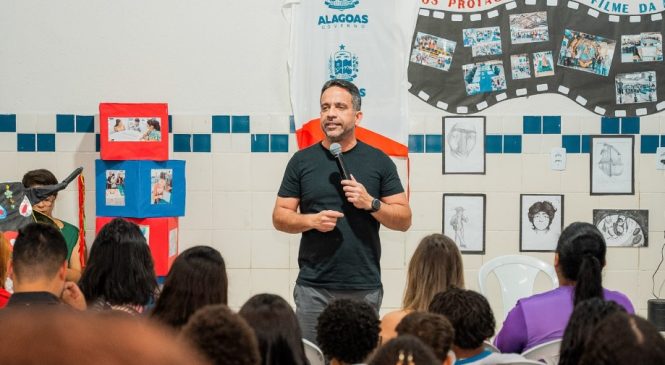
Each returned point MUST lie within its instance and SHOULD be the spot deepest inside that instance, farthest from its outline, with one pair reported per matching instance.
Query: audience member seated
(433, 329)
(276, 328)
(120, 273)
(66, 337)
(5, 253)
(621, 339)
(347, 331)
(473, 321)
(586, 316)
(578, 260)
(435, 266)
(196, 279)
(404, 350)
(44, 214)
(222, 336)
(39, 266)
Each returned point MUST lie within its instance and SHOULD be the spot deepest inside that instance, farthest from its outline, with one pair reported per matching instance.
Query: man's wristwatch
(376, 205)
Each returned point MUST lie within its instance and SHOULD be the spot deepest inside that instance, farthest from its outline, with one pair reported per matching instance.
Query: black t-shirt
(348, 256)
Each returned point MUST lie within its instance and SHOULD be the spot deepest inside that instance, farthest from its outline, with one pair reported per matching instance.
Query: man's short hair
(348, 330)
(469, 313)
(433, 329)
(223, 336)
(39, 252)
(348, 86)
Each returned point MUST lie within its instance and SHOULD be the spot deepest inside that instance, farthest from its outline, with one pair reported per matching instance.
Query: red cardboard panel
(162, 237)
(134, 131)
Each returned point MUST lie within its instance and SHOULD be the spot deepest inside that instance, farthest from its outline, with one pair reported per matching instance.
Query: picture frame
(464, 221)
(464, 145)
(612, 165)
(623, 227)
(541, 221)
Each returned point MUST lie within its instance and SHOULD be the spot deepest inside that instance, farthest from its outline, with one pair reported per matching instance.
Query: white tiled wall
(231, 193)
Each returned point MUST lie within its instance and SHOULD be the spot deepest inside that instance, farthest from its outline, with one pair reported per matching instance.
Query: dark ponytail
(581, 250)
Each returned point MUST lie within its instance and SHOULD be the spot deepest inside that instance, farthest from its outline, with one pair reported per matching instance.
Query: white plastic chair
(516, 275)
(547, 353)
(313, 353)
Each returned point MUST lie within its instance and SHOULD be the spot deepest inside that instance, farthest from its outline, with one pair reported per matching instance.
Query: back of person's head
(222, 336)
(587, 314)
(39, 177)
(404, 350)
(348, 330)
(623, 338)
(435, 266)
(433, 329)
(469, 313)
(120, 269)
(39, 253)
(581, 258)
(276, 328)
(5, 254)
(196, 279)
(61, 337)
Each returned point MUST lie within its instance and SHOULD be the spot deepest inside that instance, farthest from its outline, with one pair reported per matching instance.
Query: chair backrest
(313, 353)
(516, 275)
(547, 353)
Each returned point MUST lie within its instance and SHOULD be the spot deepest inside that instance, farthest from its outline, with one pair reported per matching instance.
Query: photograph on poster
(612, 161)
(529, 27)
(162, 184)
(433, 51)
(519, 66)
(134, 129)
(145, 231)
(637, 87)
(543, 64)
(115, 187)
(483, 41)
(623, 227)
(464, 145)
(464, 221)
(541, 221)
(586, 52)
(484, 77)
(643, 47)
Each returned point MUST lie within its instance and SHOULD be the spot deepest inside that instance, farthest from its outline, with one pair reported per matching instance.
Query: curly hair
(196, 279)
(404, 350)
(348, 330)
(585, 317)
(545, 207)
(223, 336)
(276, 328)
(433, 329)
(623, 338)
(469, 313)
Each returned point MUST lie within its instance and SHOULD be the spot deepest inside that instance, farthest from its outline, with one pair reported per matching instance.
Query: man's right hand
(325, 220)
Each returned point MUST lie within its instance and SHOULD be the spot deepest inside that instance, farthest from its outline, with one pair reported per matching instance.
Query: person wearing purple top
(578, 260)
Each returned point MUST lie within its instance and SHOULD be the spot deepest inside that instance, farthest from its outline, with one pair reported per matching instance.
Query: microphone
(336, 150)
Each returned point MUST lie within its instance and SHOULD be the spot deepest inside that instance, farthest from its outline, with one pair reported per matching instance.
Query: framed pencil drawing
(541, 221)
(612, 166)
(464, 221)
(464, 145)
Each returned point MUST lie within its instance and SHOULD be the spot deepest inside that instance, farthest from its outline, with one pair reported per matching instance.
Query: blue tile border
(572, 143)
(493, 143)
(649, 143)
(552, 124)
(221, 124)
(200, 143)
(532, 124)
(609, 125)
(85, 124)
(8, 123)
(416, 143)
(46, 142)
(64, 123)
(182, 143)
(433, 143)
(279, 143)
(26, 142)
(630, 125)
(512, 144)
(240, 124)
(260, 142)
(292, 124)
(586, 143)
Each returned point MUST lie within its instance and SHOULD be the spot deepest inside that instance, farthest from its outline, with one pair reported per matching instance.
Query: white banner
(362, 41)
(618, 7)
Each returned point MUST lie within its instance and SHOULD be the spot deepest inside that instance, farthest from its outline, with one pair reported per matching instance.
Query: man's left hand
(356, 194)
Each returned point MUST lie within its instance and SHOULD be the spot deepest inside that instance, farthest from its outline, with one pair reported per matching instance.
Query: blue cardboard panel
(140, 189)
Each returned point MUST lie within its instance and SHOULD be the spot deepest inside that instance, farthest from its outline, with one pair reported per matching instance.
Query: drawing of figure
(541, 215)
(610, 161)
(457, 222)
(462, 139)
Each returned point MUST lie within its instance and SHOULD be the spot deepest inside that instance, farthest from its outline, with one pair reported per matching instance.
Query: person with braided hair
(579, 260)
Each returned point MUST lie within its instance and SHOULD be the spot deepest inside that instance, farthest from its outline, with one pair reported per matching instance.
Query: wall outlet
(558, 159)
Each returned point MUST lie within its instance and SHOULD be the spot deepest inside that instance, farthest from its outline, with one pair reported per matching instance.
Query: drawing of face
(462, 139)
(541, 221)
